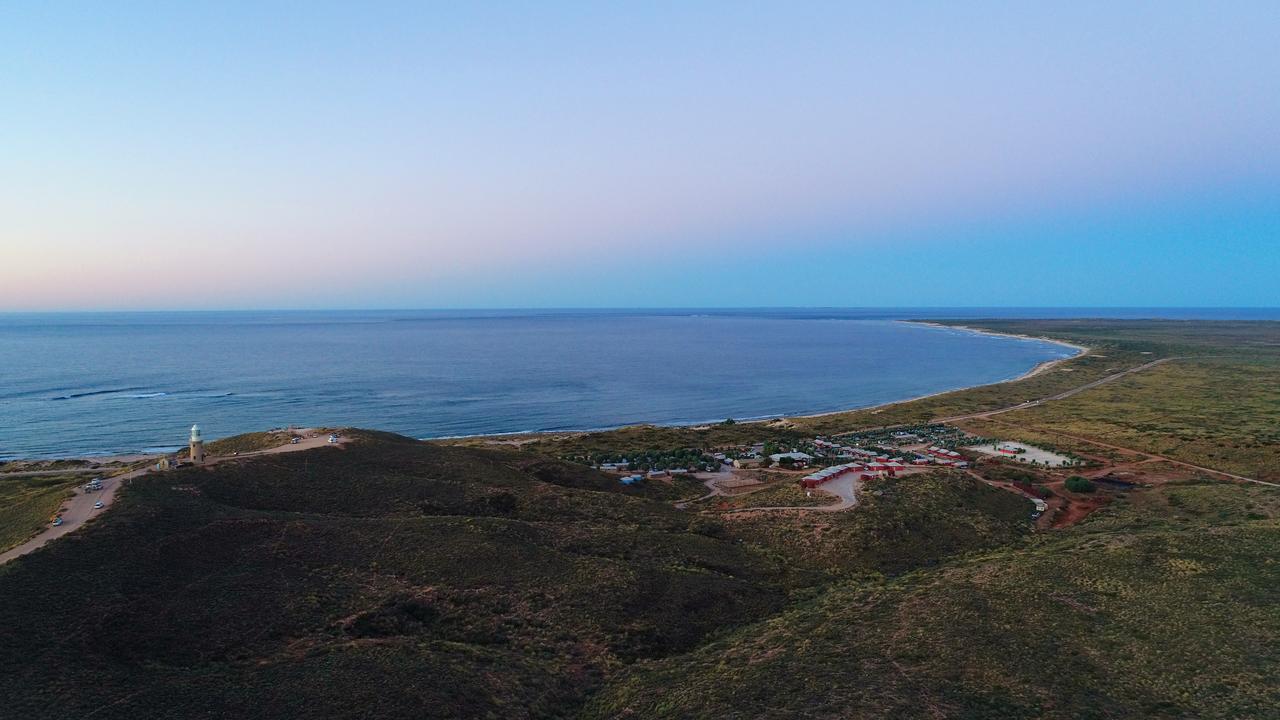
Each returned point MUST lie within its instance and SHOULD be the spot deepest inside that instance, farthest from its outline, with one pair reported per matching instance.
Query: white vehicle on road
(98, 505)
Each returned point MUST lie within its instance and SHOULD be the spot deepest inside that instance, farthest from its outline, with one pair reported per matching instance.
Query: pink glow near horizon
(181, 159)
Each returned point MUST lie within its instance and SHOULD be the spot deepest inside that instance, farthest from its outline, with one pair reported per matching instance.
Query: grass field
(1221, 413)
(27, 502)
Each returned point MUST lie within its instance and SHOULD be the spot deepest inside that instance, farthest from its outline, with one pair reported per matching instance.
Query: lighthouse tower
(197, 445)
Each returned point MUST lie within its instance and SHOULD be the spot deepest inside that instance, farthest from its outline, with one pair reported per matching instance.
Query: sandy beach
(521, 438)
(1038, 369)
(518, 439)
(1042, 367)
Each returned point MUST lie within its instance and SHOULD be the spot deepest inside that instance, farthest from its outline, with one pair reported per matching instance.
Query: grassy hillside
(389, 579)
(27, 502)
(399, 579)
(250, 442)
(780, 493)
(1164, 606)
(901, 524)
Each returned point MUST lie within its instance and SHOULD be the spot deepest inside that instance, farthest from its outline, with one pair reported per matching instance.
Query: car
(295, 441)
(98, 505)
(57, 521)
(333, 438)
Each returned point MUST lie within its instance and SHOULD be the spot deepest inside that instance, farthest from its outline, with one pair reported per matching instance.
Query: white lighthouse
(197, 445)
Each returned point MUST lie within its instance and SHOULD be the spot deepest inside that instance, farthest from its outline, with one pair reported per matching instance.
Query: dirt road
(1149, 456)
(75, 512)
(79, 509)
(1059, 396)
(846, 487)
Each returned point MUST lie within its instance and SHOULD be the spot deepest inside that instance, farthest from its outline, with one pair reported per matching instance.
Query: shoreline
(519, 438)
(1039, 368)
(1043, 366)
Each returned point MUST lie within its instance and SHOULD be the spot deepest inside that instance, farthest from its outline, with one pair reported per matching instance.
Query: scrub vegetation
(249, 442)
(396, 579)
(781, 493)
(28, 502)
(1163, 606)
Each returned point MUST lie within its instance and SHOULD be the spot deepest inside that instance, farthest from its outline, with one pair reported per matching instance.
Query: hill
(1164, 606)
(395, 579)
(390, 579)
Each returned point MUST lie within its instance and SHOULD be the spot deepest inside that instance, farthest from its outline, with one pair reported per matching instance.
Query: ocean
(107, 383)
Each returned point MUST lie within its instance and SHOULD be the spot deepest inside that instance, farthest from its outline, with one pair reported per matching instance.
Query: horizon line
(639, 308)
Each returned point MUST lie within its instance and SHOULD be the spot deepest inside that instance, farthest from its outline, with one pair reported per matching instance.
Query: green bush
(1075, 483)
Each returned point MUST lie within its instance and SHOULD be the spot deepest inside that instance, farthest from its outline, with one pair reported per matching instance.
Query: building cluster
(869, 470)
(945, 457)
(634, 478)
(934, 455)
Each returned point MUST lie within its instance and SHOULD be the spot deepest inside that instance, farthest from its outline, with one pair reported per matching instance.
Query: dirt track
(1150, 456)
(1059, 396)
(844, 487)
(79, 509)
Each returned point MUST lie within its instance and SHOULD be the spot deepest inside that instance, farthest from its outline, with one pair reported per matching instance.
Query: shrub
(706, 527)
(1075, 483)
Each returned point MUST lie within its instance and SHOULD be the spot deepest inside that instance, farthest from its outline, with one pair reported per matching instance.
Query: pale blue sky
(553, 154)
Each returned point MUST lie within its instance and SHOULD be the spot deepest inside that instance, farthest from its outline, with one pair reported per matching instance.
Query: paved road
(79, 509)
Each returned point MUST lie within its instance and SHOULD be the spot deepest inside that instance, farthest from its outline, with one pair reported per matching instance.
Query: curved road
(79, 509)
(845, 487)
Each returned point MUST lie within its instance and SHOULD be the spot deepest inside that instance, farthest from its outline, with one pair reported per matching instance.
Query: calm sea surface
(73, 384)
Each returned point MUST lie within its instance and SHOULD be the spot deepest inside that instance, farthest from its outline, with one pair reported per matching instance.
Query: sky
(452, 155)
